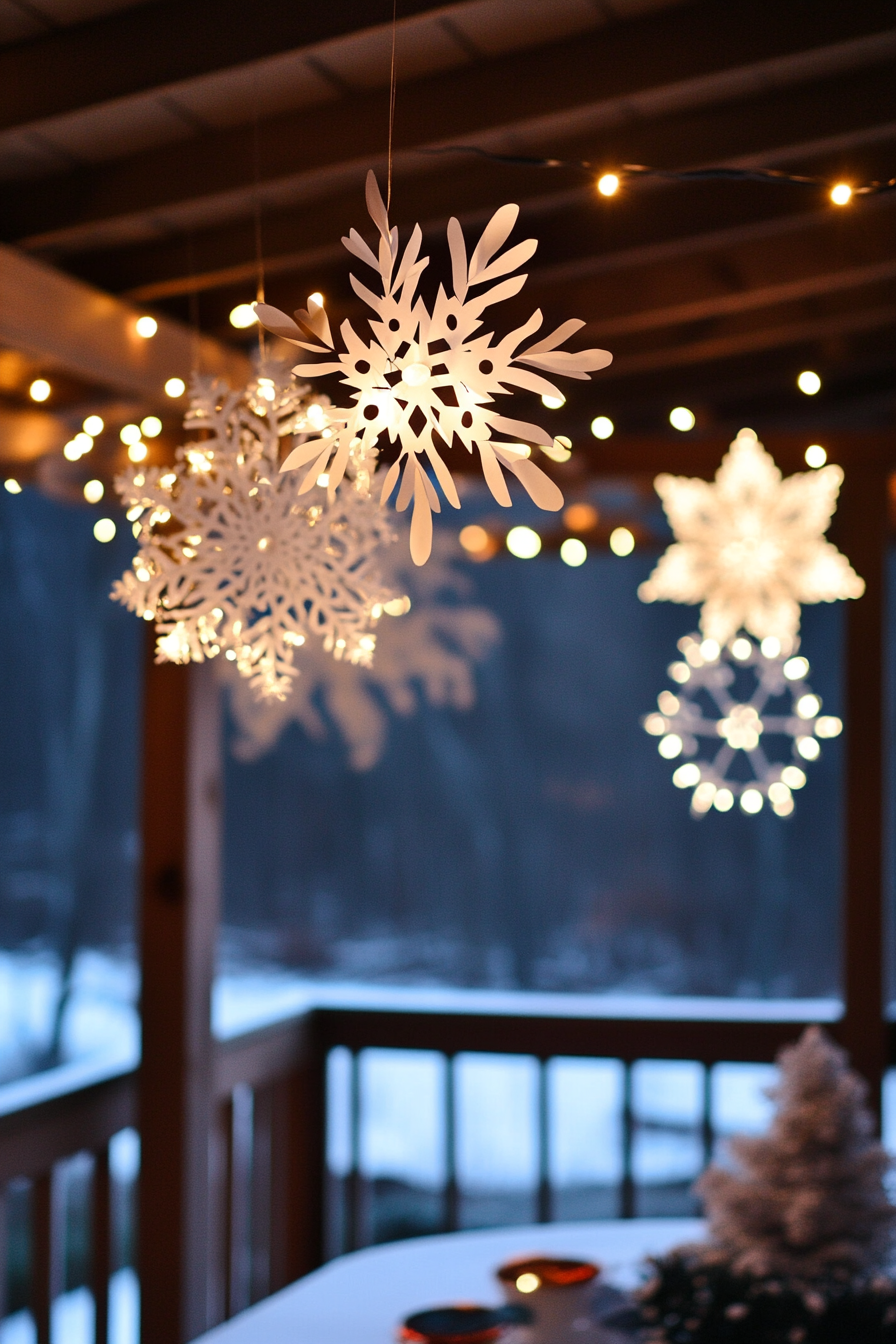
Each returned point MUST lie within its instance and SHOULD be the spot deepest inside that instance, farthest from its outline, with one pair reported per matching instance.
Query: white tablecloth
(359, 1299)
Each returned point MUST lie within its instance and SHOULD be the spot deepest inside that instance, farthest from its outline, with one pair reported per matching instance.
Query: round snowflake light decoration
(427, 380)
(230, 563)
(728, 703)
(750, 545)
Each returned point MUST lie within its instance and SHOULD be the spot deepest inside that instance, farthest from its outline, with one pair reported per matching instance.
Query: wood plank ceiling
(141, 145)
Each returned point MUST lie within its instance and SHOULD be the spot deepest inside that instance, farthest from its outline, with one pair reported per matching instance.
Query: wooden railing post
(862, 533)
(180, 903)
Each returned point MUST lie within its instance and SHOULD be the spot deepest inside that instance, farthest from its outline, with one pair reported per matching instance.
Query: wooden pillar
(180, 905)
(862, 533)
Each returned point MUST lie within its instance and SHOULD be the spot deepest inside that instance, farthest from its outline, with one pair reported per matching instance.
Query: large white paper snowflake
(729, 706)
(426, 380)
(424, 654)
(750, 546)
(230, 563)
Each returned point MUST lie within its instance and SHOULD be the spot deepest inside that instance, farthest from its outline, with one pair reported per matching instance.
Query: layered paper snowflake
(229, 562)
(744, 720)
(426, 652)
(750, 546)
(426, 380)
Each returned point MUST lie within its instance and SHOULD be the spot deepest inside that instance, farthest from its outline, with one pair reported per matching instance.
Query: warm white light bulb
(93, 491)
(12, 485)
(315, 300)
(138, 452)
(809, 382)
(39, 390)
(622, 541)
(815, 456)
(523, 542)
(841, 194)
(151, 426)
(129, 433)
(682, 419)
(608, 184)
(146, 327)
(551, 402)
(242, 316)
(94, 425)
(573, 552)
(602, 426)
(104, 529)
(175, 387)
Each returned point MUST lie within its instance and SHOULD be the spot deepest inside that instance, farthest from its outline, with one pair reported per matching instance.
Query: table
(359, 1298)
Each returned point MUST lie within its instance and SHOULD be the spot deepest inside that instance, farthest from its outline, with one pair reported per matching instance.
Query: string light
(39, 390)
(12, 485)
(151, 426)
(94, 491)
(104, 529)
(146, 327)
(602, 427)
(809, 382)
(175, 387)
(553, 403)
(523, 542)
(573, 552)
(94, 425)
(129, 433)
(138, 452)
(580, 517)
(242, 316)
(682, 419)
(622, 541)
(608, 183)
(815, 456)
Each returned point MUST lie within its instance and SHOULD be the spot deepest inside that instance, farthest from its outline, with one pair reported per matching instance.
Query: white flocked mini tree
(805, 1202)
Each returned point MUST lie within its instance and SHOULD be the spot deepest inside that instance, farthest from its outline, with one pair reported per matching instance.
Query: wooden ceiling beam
(72, 326)
(773, 127)
(665, 62)
(148, 46)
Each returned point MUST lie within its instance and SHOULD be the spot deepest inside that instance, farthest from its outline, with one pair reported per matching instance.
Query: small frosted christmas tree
(800, 1225)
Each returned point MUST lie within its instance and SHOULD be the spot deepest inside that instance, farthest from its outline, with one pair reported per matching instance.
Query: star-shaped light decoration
(427, 655)
(745, 722)
(750, 546)
(427, 380)
(229, 563)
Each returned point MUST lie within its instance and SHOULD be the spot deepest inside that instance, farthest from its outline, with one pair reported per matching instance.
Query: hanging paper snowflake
(750, 547)
(729, 706)
(426, 380)
(427, 646)
(230, 563)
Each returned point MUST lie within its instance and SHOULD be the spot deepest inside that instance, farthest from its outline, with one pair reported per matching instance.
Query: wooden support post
(181, 882)
(297, 1171)
(862, 533)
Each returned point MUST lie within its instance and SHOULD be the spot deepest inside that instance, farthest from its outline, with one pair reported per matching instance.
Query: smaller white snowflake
(721, 701)
(230, 563)
(426, 379)
(750, 546)
(427, 647)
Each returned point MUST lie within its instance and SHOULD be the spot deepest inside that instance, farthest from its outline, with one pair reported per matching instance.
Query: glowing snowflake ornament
(427, 646)
(750, 546)
(722, 719)
(426, 380)
(229, 563)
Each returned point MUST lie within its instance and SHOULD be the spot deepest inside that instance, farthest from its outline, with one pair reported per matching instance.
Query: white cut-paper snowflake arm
(750, 546)
(230, 564)
(427, 380)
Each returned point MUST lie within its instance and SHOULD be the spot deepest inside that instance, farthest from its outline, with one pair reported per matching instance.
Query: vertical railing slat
(260, 1196)
(545, 1193)
(42, 1254)
(353, 1180)
(627, 1186)
(101, 1243)
(452, 1194)
(4, 1250)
